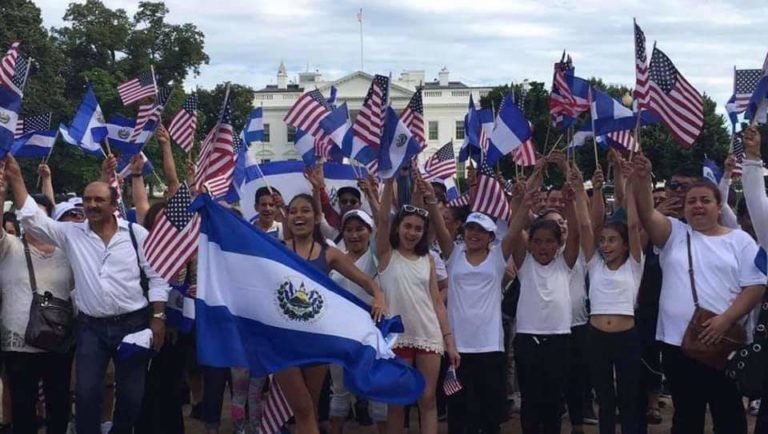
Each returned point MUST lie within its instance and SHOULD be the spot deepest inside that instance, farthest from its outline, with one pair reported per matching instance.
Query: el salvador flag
(339, 128)
(119, 130)
(292, 315)
(180, 309)
(711, 172)
(512, 130)
(305, 145)
(88, 128)
(581, 136)
(398, 145)
(254, 127)
(35, 144)
(757, 109)
(124, 165)
(10, 106)
(471, 145)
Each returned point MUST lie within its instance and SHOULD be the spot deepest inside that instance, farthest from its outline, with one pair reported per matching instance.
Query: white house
(445, 104)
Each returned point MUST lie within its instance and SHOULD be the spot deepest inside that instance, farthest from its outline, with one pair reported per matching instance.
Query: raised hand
(108, 167)
(641, 166)
(137, 165)
(598, 179)
(558, 159)
(163, 137)
(44, 171)
(12, 170)
(730, 164)
(575, 179)
(751, 143)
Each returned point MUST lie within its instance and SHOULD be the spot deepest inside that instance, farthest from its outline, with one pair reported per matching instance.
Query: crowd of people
(568, 303)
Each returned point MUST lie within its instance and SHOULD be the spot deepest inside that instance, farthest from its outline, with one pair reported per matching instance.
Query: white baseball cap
(482, 220)
(64, 207)
(359, 214)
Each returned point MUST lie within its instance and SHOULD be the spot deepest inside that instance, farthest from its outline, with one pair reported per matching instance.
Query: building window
(265, 160)
(266, 133)
(432, 130)
(291, 134)
(459, 130)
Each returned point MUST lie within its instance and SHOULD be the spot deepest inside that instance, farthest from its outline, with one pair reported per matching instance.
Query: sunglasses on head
(676, 186)
(410, 209)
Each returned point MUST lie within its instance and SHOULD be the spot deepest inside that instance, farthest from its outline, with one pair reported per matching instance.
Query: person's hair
(264, 191)
(620, 227)
(349, 190)
(553, 188)
(547, 211)
(459, 214)
(316, 234)
(422, 247)
(9, 216)
(658, 189)
(43, 201)
(709, 186)
(741, 209)
(542, 224)
(688, 171)
(152, 213)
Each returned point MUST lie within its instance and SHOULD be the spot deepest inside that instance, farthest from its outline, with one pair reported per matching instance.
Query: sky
(481, 42)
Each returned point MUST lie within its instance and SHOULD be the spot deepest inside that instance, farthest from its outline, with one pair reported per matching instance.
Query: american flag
(737, 149)
(150, 113)
(525, 154)
(216, 162)
(308, 111)
(561, 99)
(184, 124)
(13, 69)
(32, 123)
(459, 202)
(277, 412)
(678, 104)
(173, 239)
(140, 87)
(115, 183)
(490, 198)
(413, 117)
(369, 122)
(442, 164)
(744, 84)
(641, 69)
(451, 383)
(625, 139)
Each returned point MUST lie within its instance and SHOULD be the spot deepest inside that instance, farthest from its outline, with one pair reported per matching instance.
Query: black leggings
(479, 407)
(542, 371)
(619, 351)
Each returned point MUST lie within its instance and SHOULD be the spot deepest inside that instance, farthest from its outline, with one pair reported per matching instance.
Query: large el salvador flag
(291, 315)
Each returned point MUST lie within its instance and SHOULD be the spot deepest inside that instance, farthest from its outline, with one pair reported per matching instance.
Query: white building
(445, 104)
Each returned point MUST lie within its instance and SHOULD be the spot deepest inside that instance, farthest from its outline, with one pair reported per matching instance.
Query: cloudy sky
(484, 42)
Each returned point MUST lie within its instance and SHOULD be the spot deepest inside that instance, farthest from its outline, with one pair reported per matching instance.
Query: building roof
(272, 88)
(451, 85)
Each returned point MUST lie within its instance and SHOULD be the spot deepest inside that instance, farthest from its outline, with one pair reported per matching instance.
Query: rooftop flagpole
(360, 20)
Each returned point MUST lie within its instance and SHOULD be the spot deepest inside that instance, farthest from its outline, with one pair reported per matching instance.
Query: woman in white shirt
(26, 365)
(614, 278)
(357, 228)
(541, 345)
(476, 268)
(727, 283)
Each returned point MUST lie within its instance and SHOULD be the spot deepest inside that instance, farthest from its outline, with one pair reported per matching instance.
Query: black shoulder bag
(51, 322)
(749, 365)
(143, 280)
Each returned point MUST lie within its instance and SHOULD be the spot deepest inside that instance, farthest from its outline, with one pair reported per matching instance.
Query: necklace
(311, 249)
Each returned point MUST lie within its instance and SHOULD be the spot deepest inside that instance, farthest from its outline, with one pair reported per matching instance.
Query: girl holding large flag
(302, 385)
(409, 280)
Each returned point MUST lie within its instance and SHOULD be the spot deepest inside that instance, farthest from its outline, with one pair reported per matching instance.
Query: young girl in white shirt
(614, 278)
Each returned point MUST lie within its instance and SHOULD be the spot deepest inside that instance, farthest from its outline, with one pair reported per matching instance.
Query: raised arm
(636, 243)
(586, 236)
(727, 216)
(515, 202)
(46, 183)
(597, 204)
(369, 187)
(516, 236)
(108, 167)
(442, 317)
(572, 246)
(655, 223)
(169, 165)
(444, 238)
(383, 248)
(754, 185)
(138, 192)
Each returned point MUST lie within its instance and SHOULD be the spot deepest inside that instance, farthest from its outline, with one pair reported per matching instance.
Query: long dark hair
(152, 213)
(422, 247)
(316, 234)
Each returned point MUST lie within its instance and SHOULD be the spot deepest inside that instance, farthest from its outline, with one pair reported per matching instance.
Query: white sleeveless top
(474, 300)
(614, 292)
(544, 307)
(405, 284)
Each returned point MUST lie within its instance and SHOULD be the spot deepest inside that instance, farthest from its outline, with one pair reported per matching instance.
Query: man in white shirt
(110, 270)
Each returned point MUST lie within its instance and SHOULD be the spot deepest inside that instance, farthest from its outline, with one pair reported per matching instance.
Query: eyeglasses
(410, 209)
(73, 213)
(677, 186)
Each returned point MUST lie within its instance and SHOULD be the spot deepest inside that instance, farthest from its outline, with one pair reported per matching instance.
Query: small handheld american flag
(184, 123)
(451, 383)
(277, 412)
(138, 88)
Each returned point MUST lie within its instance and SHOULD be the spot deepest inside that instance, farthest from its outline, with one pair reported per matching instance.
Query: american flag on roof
(173, 239)
(307, 112)
(678, 104)
(184, 124)
(490, 198)
(148, 115)
(369, 123)
(31, 124)
(442, 164)
(14, 69)
(413, 117)
(744, 85)
(138, 88)
(641, 69)
(216, 163)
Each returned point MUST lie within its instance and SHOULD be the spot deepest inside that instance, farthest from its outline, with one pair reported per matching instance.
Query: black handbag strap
(690, 269)
(143, 280)
(30, 268)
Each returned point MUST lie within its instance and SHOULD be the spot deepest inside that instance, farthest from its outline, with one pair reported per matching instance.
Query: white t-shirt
(367, 265)
(614, 292)
(276, 230)
(52, 273)
(722, 265)
(474, 300)
(544, 307)
(440, 270)
(577, 284)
